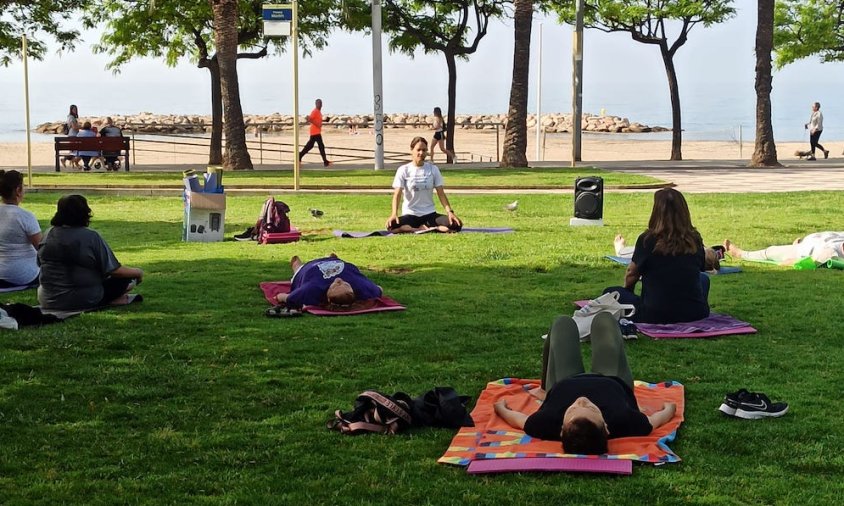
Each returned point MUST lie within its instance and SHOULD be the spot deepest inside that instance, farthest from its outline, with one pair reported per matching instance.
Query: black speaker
(589, 198)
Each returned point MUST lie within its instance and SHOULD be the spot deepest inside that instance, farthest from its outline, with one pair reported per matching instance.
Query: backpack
(272, 220)
(441, 407)
(374, 413)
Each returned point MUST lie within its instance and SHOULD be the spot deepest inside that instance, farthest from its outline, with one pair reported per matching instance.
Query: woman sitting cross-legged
(584, 410)
(327, 280)
(78, 269)
(20, 235)
(670, 260)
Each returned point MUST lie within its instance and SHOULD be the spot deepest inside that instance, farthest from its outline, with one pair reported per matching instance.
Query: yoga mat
(382, 303)
(542, 464)
(714, 325)
(384, 233)
(492, 439)
(723, 270)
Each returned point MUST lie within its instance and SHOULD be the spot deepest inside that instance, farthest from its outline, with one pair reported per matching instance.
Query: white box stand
(582, 222)
(205, 217)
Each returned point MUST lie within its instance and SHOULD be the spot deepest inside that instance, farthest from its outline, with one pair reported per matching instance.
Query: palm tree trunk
(236, 154)
(765, 150)
(215, 151)
(515, 136)
(451, 61)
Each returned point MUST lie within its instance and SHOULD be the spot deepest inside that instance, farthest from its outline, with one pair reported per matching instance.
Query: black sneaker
(732, 400)
(758, 405)
(248, 235)
(628, 329)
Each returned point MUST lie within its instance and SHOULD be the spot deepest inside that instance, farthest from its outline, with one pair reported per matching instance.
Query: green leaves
(806, 28)
(39, 20)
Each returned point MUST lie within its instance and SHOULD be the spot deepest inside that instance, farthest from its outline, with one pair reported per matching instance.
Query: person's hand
(502, 404)
(140, 277)
(392, 221)
(670, 407)
(281, 298)
(806, 126)
(454, 220)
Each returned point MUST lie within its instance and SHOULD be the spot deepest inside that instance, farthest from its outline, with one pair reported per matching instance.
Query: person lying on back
(327, 280)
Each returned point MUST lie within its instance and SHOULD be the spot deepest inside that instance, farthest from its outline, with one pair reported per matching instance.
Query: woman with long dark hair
(20, 235)
(78, 269)
(439, 136)
(669, 259)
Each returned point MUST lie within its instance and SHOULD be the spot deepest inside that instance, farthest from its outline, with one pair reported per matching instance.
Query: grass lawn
(194, 396)
(455, 178)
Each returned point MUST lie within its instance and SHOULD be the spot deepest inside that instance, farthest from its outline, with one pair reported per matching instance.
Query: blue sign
(278, 14)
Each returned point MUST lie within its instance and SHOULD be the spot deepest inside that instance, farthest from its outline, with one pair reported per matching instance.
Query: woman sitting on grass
(669, 259)
(585, 410)
(78, 269)
(820, 246)
(415, 182)
(20, 235)
(326, 280)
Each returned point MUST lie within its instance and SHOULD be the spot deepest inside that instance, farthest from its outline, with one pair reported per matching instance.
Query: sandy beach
(350, 151)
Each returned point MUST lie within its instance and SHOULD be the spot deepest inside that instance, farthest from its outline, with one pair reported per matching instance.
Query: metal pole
(26, 107)
(539, 98)
(295, 35)
(377, 85)
(577, 84)
(740, 142)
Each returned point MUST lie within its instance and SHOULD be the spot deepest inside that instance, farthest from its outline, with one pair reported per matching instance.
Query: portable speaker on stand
(588, 201)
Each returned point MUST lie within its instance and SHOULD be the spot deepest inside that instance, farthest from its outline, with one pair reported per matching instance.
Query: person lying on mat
(78, 269)
(820, 246)
(669, 259)
(328, 279)
(711, 262)
(20, 235)
(414, 186)
(584, 410)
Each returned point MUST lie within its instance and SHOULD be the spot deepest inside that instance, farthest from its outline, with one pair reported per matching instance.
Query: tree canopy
(805, 28)
(39, 20)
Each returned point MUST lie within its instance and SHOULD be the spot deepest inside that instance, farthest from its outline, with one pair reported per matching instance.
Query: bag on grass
(607, 302)
(442, 407)
(273, 219)
(374, 413)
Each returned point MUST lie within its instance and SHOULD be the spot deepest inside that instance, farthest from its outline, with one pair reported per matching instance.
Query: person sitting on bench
(821, 246)
(584, 410)
(327, 279)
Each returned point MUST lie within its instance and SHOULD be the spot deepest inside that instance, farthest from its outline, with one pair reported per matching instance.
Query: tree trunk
(215, 149)
(765, 151)
(674, 90)
(515, 136)
(236, 154)
(452, 101)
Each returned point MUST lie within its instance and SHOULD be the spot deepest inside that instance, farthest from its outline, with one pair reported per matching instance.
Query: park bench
(69, 145)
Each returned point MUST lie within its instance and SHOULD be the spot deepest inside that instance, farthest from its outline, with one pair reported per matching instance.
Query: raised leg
(561, 354)
(608, 356)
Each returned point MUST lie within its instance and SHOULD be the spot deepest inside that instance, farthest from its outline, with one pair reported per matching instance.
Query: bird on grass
(316, 213)
(512, 206)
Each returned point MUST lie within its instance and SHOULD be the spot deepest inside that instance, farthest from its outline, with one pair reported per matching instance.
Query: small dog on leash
(804, 154)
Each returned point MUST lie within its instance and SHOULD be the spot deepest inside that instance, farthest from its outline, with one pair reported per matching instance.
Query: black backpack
(374, 413)
(442, 407)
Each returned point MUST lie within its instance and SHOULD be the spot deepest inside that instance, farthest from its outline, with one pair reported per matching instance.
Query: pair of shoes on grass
(628, 329)
(282, 312)
(751, 405)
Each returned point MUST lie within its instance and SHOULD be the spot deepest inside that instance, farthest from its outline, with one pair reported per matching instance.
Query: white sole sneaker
(758, 415)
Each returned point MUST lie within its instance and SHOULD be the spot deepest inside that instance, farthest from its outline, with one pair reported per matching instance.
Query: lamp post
(577, 84)
(377, 85)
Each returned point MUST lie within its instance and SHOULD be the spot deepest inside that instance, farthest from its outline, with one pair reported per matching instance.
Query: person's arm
(662, 416)
(514, 419)
(452, 218)
(538, 392)
(394, 213)
(631, 277)
(35, 239)
(128, 272)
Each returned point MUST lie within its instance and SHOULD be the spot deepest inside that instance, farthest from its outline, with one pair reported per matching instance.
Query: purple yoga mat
(546, 464)
(384, 233)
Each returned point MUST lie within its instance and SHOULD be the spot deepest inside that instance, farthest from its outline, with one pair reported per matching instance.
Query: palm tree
(765, 151)
(225, 38)
(515, 137)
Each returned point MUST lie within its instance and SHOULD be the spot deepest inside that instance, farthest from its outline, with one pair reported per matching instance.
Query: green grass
(195, 397)
(455, 178)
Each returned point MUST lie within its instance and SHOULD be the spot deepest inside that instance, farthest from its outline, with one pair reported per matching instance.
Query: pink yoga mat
(716, 324)
(383, 303)
(540, 464)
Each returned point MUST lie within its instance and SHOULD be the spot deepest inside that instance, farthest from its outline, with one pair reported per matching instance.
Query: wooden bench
(69, 145)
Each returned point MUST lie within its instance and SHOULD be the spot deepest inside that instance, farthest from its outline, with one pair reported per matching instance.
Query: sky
(715, 70)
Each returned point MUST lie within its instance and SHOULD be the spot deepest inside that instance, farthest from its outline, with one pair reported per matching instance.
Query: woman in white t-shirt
(20, 235)
(414, 186)
(821, 246)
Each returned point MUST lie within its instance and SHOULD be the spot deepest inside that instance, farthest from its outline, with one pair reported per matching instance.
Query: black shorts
(438, 136)
(114, 288)
(429, 220)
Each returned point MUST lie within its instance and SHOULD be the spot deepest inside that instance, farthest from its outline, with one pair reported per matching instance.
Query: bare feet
(732, 250)
(295, 262)
(619, 243)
